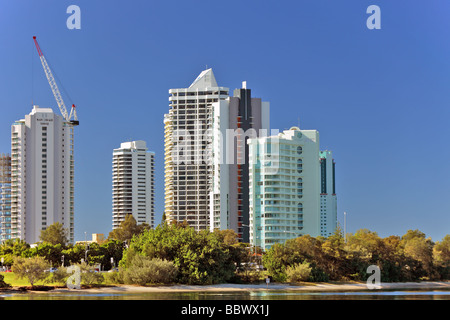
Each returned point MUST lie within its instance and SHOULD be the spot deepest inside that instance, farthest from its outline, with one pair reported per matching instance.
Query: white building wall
(219, 201)
(311, 179)
(43, 173)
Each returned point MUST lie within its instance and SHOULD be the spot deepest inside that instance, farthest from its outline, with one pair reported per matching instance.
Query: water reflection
(245, 295)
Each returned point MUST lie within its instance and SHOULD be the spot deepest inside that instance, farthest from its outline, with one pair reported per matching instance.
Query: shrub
(3, 284)
(298, 272)
(144, 270)
(89, 275)
(31, 268)
(114, 277)
(60, 276)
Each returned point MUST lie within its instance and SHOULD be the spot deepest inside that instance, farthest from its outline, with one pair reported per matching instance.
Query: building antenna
(32, 79)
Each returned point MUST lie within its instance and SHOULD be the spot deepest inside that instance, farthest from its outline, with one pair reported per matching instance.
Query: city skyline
(372, 94)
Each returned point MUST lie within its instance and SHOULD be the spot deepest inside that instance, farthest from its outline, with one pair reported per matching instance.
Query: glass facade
(276, 190)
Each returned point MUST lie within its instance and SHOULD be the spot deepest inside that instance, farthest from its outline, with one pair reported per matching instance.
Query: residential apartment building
(42, 174)
(188, 150)
(328, 200)
(284, 187)
(206, 155)
(133, 183)
(5, 197)
(235, 120)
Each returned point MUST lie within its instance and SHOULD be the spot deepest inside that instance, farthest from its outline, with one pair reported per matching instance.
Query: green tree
(441, 257)
(32, 269)
(50, 252)
(441, 252)
(363, 249)
(393, 263)
(278, 258)
(54, 234)
(111, 249)
(296, 251)
(366, 244)
(420, 250)
(94, 254)
(73, 254)
(15, 247)
(127, 229)
(334, 245)
(201, 257)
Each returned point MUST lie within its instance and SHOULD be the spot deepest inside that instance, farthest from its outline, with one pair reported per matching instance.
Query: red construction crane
(72, 117)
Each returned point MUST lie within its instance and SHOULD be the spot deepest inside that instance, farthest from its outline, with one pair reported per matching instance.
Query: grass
(11, 279)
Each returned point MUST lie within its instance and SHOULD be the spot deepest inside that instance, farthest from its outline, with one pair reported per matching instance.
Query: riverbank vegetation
(411, 257)
(176, 253)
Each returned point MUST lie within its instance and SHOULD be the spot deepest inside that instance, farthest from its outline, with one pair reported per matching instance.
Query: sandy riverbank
(309, 287)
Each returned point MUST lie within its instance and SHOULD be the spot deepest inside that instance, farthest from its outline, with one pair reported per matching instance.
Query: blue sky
(379, 98)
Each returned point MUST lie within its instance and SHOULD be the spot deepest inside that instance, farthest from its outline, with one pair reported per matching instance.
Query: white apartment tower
(42, 174)
(188, 148)
(133, 183)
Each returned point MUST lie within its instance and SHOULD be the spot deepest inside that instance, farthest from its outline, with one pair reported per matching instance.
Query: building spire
(205, 79)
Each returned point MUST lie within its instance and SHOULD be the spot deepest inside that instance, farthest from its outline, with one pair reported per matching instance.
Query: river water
(244, 295)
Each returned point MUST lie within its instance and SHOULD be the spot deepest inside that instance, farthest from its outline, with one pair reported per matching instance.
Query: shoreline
(305, 287)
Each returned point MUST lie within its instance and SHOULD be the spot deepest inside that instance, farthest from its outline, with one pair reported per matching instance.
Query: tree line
(176, 253)
(411, 257)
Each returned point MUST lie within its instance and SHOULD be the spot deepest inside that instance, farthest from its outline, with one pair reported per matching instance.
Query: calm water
(251, 295)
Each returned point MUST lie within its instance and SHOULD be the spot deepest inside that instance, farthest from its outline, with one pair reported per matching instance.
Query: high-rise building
(188, 148)
(42, 174)
(133, 183)
(284, 187)
(5, 197)
(206, 155)
(235, 120)
(328, 201)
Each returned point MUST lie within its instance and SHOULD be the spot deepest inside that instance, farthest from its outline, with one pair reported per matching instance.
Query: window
(299, 165)
(299, 150)
(300, 188)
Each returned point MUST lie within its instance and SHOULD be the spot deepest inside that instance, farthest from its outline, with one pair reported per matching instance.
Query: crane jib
(55, 90)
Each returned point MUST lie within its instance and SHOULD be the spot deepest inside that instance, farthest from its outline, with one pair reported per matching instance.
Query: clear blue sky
(379, 98)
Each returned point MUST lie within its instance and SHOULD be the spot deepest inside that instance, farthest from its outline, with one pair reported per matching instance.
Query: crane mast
(72, 117)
